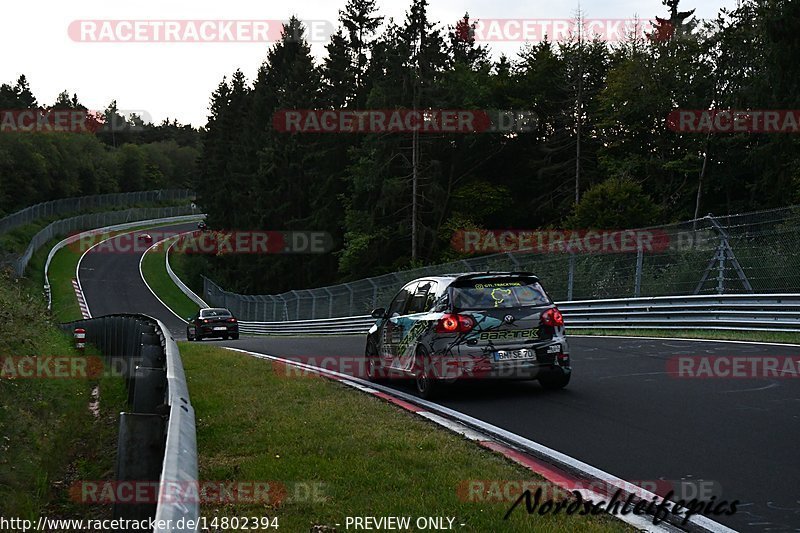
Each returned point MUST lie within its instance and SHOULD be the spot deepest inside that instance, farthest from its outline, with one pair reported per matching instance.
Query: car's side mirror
(379, 313)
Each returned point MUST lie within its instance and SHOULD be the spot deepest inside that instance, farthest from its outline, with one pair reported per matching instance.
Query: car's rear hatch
(507, 309)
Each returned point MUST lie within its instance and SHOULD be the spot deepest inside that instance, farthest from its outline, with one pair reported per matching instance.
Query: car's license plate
(514, 355)
(220, 328)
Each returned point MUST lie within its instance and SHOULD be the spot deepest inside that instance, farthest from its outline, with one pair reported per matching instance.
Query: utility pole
(579, 111)
(415, 152)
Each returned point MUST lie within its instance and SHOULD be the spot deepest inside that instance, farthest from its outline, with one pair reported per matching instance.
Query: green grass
(155, 273)
(370, 458)
(754, 336)
(48, 437)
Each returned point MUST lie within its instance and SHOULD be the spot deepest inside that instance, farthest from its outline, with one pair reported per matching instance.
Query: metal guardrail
(92, 220)
(181, 285)
(116, 227)
(762, 312)
(157, 437)
(80, 203)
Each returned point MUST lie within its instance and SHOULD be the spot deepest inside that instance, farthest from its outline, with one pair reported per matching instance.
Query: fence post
(349, 288)
(637, 284)
(721, 267)
(571, 276)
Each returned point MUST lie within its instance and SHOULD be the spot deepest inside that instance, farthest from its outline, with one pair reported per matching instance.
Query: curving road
(111, 282)
(622, 412)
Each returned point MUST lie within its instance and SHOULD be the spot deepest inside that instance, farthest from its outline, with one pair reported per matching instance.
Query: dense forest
(123, 154)
(602, 155)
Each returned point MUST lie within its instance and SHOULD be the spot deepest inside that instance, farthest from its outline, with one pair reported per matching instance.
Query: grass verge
(49, 438)
(155, 274)
(753, 336)
(364, 456)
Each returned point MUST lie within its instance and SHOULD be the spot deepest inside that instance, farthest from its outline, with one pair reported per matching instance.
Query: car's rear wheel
(555, 380)
(235, 336)
(189, 336)
(424, 377)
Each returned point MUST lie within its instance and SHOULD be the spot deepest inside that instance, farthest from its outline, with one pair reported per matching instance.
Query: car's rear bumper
(209, 331)
(479, 363)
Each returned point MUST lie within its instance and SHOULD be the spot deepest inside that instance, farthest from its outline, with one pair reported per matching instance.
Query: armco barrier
(92, 220)
(181, 285)
(762, 312)
(80, 203)
(157, 438)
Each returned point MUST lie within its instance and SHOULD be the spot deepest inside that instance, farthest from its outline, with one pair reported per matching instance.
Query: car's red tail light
(205, 321)
(231, 320)
(450, 323)
(553, 317)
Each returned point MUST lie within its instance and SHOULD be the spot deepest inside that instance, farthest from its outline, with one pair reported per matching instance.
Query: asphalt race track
(622, 412)
(111, 282)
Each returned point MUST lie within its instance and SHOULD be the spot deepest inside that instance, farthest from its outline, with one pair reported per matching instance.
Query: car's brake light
(205, 321)
(231, 320)
(450, 323)
(552, 317)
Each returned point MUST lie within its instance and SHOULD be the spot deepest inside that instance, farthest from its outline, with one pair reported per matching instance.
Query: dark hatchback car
(212, 322)
(487, 325)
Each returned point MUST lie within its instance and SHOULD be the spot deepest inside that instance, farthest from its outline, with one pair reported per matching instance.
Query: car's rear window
(216, 312)
(498, 293)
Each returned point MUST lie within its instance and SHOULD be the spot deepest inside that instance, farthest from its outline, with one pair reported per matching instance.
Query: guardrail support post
(571, 276)
(140, 454)
(149, 387)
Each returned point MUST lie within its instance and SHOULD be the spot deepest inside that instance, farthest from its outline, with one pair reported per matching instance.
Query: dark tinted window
(398, 305)
(498, 294)
(215, 312)
(422, 299)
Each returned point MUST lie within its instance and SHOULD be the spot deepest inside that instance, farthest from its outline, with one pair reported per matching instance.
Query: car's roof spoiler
(496, 274)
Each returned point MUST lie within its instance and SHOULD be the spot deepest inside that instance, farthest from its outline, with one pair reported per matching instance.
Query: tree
(361, 22)
(614, 204)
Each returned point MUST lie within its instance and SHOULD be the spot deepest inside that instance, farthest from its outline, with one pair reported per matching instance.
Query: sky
(62, 45)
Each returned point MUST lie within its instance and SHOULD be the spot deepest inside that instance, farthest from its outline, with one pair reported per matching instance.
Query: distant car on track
(212, 322)
(488, 325)
(146, 237)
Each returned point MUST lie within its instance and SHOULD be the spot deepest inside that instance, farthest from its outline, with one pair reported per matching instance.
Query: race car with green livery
(480, 325)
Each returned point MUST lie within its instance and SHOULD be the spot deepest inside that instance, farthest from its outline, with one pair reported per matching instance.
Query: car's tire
(235, 336)
(189, 336)
(372, 359)
(424, 378)
(555, 381)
